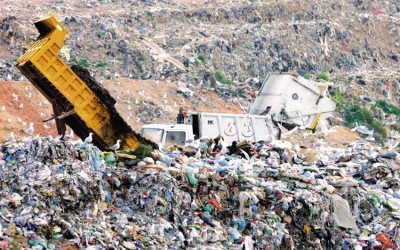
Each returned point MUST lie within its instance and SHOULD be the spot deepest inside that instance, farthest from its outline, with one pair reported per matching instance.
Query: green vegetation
(355, 114)
(324, 76)
(307, 76)
(219, 76)
(140, 57)
(101, 64)
(387, 107)
(83, 63)
(144, 151)
(337, 96)
(201, 58)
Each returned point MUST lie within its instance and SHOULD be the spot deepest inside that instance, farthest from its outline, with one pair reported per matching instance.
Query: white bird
(89, 139)
(198, 154)
(115, 146)
(70, 136)
(246, 155)
(43, 115)
(362, 129)
(392, 143)
(305, 122)
(30, 130)
(29, 95)
(9, 120)
(21, 106)
(15, 97)
(188, 45)
(11, 137)
(323, 125)
(285, 132)
(3, 108)
(370, 136)
(141, 92)
(162, 55)
(46, 126)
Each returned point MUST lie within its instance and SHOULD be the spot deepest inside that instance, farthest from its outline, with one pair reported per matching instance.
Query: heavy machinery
(76, 98)
(292, 99)
(81, 103)
(284, 99)
(196, 125)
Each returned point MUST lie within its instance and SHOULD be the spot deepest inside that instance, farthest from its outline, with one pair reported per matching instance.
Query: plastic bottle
(192, 178)
(384, 239)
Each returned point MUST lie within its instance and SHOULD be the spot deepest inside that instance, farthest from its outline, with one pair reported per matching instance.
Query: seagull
(3, 108)
(188, 45)
(362, 129)
(392, 143)
(21, 106)
(162, 55)
(15, 97)
(11, 137)
(30, 130)
(370, 136)
(46, 126)
(70, 136)
(285, 132)
(115, 146)
(89, 139)
(323, 125)
(305, 123)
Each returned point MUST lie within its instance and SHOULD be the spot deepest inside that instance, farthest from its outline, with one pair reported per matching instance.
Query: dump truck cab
(168, 135)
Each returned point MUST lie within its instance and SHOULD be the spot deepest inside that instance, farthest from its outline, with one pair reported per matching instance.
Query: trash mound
(70, 195)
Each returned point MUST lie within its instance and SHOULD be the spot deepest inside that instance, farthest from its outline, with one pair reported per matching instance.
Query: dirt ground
(128, 92)
(125, 91)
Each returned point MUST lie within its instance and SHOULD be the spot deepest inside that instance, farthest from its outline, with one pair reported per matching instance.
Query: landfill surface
(209, 195)
(332, 189)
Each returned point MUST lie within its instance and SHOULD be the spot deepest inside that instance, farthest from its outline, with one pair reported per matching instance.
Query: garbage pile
(264, 195)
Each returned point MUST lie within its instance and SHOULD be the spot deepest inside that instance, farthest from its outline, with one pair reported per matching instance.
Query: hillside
(356, 42)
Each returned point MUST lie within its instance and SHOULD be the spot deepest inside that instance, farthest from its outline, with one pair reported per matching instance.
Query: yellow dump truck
(77, 99)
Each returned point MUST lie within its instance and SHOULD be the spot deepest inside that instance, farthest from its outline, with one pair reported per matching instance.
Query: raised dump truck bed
(76, 97)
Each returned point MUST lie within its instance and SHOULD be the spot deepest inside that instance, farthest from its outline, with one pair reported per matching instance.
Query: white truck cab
(168, 135)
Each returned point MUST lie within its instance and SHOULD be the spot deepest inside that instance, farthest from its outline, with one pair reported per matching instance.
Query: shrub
(355, 114)
(324, 76)
(336, 95)
(202, 58)
(144, 151)
(101, 64)
(387, 107)
(83, 63)
(307, 76)
(219, 76)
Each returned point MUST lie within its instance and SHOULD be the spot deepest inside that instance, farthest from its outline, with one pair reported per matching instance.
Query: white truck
(197, 125)
(287, 99)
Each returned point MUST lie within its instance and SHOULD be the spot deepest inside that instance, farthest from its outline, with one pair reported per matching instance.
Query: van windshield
(153, 134)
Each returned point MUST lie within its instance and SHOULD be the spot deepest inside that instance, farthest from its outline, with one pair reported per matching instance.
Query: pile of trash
(264, 195)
